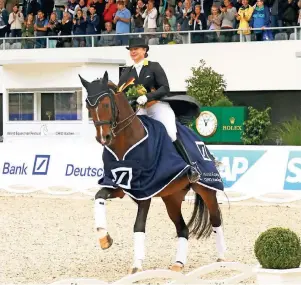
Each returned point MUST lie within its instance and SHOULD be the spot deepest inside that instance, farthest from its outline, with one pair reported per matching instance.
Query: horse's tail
(199, 224)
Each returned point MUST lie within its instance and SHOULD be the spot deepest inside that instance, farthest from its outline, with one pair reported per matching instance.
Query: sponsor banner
(254, 170)
(74, 166)
(259, 170)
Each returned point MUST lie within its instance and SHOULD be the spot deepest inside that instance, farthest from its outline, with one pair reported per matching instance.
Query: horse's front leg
(139, 235)
(101, 196)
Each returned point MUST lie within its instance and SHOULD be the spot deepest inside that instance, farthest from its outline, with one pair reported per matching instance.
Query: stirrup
(194, 174)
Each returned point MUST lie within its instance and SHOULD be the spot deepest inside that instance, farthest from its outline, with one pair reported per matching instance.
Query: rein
(114, 123)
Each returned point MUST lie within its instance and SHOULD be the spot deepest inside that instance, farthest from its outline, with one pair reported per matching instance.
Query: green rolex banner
(221, 124)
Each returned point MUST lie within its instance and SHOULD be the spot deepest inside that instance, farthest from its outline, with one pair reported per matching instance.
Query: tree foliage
(256, 126)
(206, 85)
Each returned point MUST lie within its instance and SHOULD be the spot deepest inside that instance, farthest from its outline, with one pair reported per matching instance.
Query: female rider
(152, 76)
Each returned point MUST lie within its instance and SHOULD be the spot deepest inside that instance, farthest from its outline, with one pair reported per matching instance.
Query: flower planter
(278, 276)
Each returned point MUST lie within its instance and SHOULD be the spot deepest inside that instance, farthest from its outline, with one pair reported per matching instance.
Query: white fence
(176, 278)
(270, 173)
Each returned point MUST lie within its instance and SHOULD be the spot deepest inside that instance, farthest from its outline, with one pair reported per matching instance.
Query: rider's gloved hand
(142, 100)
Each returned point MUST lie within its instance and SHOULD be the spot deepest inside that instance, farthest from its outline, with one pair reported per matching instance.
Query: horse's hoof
(221, 260)
(135, 270)
(177, 267)
(106, 242)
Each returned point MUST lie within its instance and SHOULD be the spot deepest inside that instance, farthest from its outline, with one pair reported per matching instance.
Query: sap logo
(293, 171)
(235, 163)
(71, 170)
(14, 169)
(41, 164)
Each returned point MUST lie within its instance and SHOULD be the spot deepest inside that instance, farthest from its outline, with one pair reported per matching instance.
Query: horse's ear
(85, 83)
(105, 78)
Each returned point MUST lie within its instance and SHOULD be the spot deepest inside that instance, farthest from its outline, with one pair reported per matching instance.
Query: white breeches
(161, 111)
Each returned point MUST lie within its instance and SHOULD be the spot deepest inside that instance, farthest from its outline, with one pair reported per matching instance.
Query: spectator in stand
(187, 10)
(82, 7)
(178, 38)
(30, 7)
(60, 6)
(99, 6)
(290, 13)
(244, 16)
(129, 5)
(70, 8)
(92, 26)
(299, 13)
(123, 21)
(16, 19)
(110, 11)
(65, 29)
(260, 19)
(214, 23)
(79, 28)
(228, 13)
(41, 29)
(205, 6)
(179, 12)
(47, 7)
(171, 19)
(9, 5)
(53, 29)
(197, 23)
(166, 38)
(150, 18)
(3, 20)
(137, 17)
(276, 11)
(28, 31)
(107, 38)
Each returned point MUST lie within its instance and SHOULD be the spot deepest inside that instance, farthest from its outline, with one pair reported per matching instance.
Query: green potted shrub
(278, 251)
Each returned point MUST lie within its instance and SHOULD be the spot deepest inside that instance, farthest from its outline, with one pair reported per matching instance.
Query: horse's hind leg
(173, 205)
(209, 197)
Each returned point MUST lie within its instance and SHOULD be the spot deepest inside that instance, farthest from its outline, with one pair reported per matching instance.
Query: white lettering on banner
(294, 169)
(71, 170)
(239, 166)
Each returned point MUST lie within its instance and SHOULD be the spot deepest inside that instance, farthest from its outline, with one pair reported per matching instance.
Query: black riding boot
(194, 175)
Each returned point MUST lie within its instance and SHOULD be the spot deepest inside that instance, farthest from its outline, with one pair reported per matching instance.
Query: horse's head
(102, 106)
(109, 109)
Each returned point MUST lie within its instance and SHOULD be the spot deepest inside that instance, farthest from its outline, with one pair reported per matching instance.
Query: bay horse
(118, 130)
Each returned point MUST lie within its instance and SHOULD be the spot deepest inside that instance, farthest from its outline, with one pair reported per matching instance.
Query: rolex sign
(221, 124)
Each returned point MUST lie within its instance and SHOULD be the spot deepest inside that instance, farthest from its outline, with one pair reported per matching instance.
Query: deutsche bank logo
(41, 164)
(123, 177)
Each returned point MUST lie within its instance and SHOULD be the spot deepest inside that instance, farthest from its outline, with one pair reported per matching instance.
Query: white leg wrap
(182, 250)
(100, 217)
(220, 241)
(139, 249)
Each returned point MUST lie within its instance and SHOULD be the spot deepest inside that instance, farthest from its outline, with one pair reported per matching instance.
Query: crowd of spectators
(106, 23)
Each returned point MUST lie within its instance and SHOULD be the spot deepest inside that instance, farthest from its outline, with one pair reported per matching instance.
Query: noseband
(113, 123)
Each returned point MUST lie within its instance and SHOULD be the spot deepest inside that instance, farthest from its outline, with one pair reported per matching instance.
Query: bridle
(113, 123)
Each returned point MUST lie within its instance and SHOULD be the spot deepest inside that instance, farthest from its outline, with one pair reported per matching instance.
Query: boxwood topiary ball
(278, 248)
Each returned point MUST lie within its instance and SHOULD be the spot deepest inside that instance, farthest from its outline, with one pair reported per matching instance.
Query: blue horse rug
(153, 162)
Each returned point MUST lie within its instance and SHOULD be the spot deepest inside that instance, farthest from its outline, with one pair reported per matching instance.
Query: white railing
(176, 278)
(223, 197)
(292, 33)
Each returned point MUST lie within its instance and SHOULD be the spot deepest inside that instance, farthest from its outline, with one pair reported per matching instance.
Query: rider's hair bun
(146, 55)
